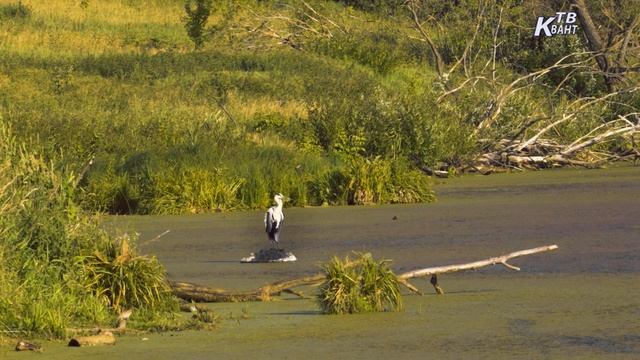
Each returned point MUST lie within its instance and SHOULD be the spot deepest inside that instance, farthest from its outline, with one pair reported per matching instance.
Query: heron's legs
(276, 237)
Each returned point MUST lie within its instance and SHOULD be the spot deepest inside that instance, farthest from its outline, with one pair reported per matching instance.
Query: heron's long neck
(279, 205)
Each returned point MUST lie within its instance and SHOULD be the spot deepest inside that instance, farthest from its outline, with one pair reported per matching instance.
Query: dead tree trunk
(498, 260)
(594, 40)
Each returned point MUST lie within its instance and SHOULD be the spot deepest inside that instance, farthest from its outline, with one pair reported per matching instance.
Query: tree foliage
(197, 14)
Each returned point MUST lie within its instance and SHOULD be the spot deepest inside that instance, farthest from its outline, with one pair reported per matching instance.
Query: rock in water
(269, 255)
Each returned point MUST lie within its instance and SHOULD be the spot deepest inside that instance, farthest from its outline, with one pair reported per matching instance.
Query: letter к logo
(543, 25)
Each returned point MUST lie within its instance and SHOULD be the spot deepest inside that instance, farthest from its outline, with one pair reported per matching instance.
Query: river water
(581, 301)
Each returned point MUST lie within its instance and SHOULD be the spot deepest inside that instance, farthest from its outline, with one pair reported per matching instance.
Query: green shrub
(196, 19)
(360, 285)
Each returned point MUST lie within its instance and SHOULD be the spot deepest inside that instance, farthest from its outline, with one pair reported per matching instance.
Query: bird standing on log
(273, 219)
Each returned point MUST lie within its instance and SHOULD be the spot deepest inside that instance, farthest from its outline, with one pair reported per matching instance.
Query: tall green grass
(170, 129)
(52, 270)
(345, 120)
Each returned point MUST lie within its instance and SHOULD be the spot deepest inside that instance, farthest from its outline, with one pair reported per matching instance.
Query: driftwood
(498, 260)
(103, 338)
(538, 153)
(27, 346)
(192, 292)
(197, 293)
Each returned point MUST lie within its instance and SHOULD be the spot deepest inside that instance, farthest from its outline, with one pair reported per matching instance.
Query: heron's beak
(286, 198)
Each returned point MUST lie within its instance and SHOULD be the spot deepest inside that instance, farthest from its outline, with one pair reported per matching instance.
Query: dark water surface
(578, 302)
(594, 216)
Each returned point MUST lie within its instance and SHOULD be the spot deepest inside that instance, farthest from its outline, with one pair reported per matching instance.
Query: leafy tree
(196, 19)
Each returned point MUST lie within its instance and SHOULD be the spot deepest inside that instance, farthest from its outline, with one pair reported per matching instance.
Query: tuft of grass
(124, 279)
(359, 286)
(193, 190)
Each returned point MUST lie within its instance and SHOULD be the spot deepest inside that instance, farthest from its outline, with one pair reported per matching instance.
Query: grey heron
(273, 219)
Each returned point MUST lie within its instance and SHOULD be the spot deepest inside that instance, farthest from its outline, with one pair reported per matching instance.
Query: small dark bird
(394, 218)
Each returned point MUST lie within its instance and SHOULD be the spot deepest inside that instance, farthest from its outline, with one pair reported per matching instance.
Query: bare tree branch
(411, 5)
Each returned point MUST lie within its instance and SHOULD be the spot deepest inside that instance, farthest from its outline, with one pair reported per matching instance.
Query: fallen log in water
(198, 293)
(103, 338)
(192, 292)
(498, 260)
(501, 260)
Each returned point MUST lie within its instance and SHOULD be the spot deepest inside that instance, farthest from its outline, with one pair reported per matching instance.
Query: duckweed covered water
(578, 302)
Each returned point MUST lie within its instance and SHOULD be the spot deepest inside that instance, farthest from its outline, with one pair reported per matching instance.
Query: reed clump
(124, 279)
(358, 286)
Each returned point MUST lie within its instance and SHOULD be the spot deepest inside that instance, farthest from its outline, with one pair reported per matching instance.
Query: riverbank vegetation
(328, 102)
(154, 107)
(58, 268)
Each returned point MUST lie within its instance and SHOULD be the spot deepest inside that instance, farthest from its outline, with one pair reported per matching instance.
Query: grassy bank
(175, 130)
(58, 268)
(343, 110)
